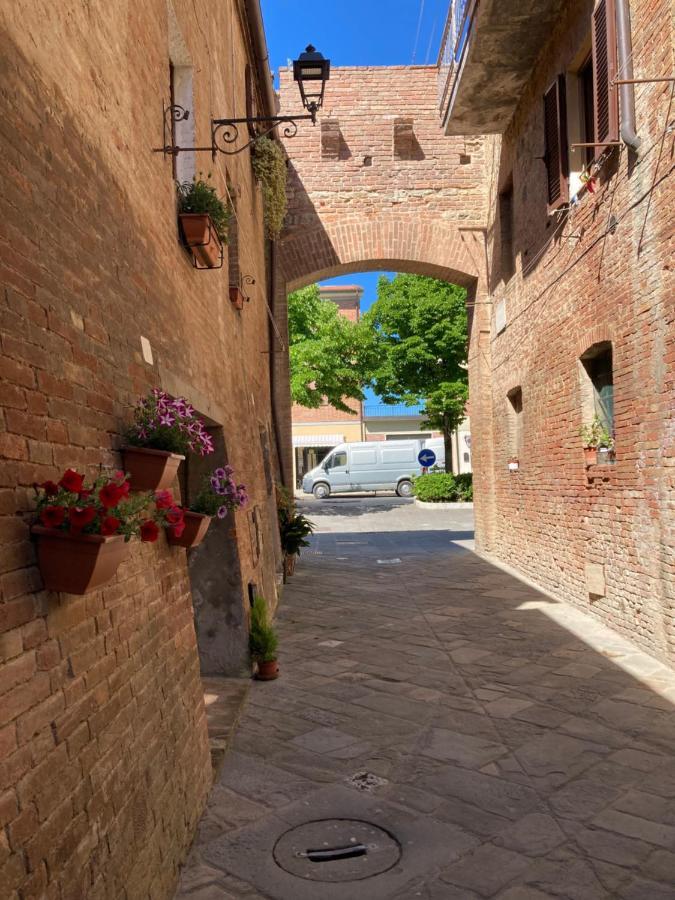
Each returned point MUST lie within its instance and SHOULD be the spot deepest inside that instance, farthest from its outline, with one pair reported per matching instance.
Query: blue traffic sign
(426, 458)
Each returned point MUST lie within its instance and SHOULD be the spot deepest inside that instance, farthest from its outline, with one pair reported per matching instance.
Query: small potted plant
(219, 494)
(82, 532)
(203, 219)
(263, 642)
(294, 529)
(165, 429)
(595, 438)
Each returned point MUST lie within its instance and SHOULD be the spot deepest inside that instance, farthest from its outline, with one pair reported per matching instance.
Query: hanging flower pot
(201, 238)
(77, 563)
(193, 532)
(590, 456)
(150, 470)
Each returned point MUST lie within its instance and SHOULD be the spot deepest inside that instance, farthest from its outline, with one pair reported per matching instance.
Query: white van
(370, 466)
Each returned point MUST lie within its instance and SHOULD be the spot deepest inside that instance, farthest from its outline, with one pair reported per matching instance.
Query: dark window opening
(508, 263)
(515, 424)
(600, 373)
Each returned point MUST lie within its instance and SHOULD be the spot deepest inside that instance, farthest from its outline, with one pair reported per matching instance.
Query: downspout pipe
(626, 91)
(262, 57)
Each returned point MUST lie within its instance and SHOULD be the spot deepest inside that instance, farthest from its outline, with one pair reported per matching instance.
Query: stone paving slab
(517, 748)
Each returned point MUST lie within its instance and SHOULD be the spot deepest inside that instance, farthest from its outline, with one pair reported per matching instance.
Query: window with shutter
(555, 137)
(605, 95)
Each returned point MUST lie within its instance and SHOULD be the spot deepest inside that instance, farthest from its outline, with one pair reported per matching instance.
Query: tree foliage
(331, 357)
(421, 330)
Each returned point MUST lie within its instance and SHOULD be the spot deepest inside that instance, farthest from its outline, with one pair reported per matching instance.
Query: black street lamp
(311, 70)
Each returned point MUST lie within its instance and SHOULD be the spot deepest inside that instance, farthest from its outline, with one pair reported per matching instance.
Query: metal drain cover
(335, 850)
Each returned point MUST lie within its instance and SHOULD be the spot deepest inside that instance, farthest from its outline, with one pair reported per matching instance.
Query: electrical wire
(419, 26)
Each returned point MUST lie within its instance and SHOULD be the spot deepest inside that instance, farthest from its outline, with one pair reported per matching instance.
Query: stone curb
(443, 505)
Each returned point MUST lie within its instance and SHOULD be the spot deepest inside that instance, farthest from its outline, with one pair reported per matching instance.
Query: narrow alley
(462, 733)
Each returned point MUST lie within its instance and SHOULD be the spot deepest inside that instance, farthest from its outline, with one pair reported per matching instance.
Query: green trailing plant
(198, 196)
(443, 487)
(269, 167)
(596, 435)
(294, 529)
(262, 641)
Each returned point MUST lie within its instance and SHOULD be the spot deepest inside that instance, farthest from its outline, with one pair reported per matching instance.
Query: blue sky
(355, 32)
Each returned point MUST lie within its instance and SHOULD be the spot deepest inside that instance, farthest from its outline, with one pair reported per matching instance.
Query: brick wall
(577, 282)
(104, 762)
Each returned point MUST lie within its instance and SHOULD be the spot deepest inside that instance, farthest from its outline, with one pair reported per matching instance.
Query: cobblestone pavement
(513, 746)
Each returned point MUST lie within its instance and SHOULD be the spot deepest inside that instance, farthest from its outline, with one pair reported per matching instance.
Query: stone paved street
(513, 746)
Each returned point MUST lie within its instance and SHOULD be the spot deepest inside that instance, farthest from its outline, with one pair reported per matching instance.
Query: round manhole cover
(336, 850)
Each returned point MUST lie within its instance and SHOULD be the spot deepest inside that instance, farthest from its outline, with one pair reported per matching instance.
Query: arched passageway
(377, 185)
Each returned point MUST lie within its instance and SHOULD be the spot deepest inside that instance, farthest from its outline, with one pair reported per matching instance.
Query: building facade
(104, 754)
(580, 314)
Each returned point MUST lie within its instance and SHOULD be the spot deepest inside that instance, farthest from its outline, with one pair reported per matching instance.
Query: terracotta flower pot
(590, 456)
(268, 671)
(196, 526)
(289, 564)
(150, 470)
(200, 236)
(236, 297)
(77, 563)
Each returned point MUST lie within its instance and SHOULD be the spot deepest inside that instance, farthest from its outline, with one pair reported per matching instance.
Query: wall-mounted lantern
(311, 70)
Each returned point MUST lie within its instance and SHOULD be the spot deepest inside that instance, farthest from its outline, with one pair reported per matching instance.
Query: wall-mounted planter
(196, 526)
(237, 297)
(150, 470)
(200, 237)
(590, 456)
(77, 563)
(605, 456)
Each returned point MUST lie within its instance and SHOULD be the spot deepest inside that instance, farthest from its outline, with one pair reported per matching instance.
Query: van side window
(338, 459)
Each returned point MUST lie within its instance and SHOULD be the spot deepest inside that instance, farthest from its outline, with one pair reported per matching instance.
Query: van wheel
(404, 489)
(321, 491)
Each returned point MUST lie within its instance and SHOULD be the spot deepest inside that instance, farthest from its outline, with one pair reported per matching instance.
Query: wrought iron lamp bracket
(225, 132)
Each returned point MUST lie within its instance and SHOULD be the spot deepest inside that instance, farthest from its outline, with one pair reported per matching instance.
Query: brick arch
(390, 242)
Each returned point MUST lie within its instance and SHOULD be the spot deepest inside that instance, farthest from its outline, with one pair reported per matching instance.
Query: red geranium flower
(125, 487)
(50, 488)
(79, 516)
(72, 481)
(52, 516)
(174, 515)
(110, 495)
(163, 499)
(178, 529)
(110, 525)
(149, 531)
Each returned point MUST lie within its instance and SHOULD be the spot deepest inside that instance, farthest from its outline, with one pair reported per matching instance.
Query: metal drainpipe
(626, 91)
(262, 56)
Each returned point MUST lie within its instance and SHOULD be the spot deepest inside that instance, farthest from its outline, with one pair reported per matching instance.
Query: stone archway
(377, 185)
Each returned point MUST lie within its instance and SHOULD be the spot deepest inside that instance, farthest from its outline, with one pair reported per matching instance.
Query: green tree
(420, 326)
(330, 356)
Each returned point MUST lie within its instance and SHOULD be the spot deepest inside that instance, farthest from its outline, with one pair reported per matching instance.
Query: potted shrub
(82, 533)
(294, 529)
(263, 642)
(596, 439)
(219, 494)
(165, 429)
(203, 219)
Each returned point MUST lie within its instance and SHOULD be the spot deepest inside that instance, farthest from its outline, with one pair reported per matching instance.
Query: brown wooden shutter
(555, 136)
(605, 94)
